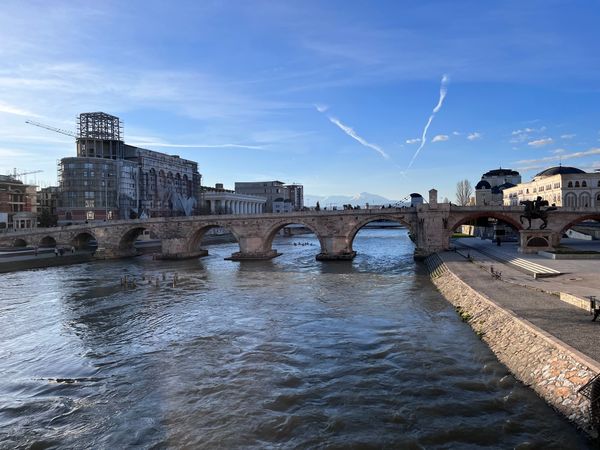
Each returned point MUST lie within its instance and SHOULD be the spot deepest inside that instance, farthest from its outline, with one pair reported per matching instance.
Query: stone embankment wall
(550, 367)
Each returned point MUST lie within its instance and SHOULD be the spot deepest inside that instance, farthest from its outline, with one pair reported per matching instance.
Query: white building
(218, 200)
(561, 186)
(489, 191)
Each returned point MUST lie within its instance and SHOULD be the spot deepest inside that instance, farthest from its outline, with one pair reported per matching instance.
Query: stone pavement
(531, 299)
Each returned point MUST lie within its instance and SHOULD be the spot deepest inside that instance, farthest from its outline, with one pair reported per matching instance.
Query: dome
(278, 199)
(501, 173)
(496, 190)
(559, 170)
(414, 194)
(506, 186)
(483, 185)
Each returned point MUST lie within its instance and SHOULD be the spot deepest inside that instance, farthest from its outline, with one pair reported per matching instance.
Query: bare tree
(464, 190)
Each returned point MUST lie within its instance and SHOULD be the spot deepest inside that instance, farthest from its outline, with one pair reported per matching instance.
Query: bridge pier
(178, 248)
(335, 248)
(253, 248)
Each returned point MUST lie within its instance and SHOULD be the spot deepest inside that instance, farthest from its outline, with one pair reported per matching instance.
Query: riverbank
(43, 260)
(549, 345)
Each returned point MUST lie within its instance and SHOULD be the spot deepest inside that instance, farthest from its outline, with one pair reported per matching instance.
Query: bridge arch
(194, 239)
(47, 241)
(275, 228)
(375, 218)
(574, 221)
(469, 217)
(128, 238)
(19, 242)
(82, 239)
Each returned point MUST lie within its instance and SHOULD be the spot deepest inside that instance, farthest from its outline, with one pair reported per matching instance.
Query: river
(287, 353)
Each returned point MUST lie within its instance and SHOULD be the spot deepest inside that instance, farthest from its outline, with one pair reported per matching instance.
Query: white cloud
(169, 145)
(321, 108)
(474, 136)
(440, 138)
(519, 136)
(568, 136)
(350, 132)
(540, 142)
(456, 133)
(413, 141)
(443, 92)
(10, 109)
(558, 151)
(561, 156)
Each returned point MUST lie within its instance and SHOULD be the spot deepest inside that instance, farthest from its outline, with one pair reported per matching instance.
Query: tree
(464, 190)
(318, 207)
(46, 219)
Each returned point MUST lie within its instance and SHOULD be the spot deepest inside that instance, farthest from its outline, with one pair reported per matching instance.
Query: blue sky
(334, 95)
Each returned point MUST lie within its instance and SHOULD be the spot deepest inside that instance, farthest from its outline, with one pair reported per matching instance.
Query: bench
(594, 307)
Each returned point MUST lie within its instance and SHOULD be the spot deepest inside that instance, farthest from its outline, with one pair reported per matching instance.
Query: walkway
(527, 299)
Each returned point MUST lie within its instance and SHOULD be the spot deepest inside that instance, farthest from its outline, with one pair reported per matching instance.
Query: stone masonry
(553, 369)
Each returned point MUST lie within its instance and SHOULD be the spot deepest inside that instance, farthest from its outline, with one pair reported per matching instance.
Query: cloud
(540, 142)
(456, 133)
(443, 92)
(474, 136)
(169, 145)
(10, 109)
(440, 138)
(350, 132)
(561, 157)
(567, 136)
(413, 141)
(558, 151)
(321, 108)
(520, 136)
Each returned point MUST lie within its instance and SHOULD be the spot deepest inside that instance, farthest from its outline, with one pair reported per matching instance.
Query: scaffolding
(99, 125)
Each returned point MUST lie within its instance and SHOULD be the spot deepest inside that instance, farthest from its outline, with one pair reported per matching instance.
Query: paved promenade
(535, 299)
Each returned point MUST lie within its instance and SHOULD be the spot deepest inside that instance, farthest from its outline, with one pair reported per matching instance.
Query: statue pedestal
(533, 241)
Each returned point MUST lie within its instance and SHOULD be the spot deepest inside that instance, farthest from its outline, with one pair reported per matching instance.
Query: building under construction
(109, 179)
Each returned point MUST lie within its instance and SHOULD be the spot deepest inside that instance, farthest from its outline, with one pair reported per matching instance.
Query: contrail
(443, 92)
(350, 132)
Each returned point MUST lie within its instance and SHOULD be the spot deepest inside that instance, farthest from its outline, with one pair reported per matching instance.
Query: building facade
(18, 204)
(109, 179)
(489, 190)
(273, 190)
(218, 200)
(562, 186)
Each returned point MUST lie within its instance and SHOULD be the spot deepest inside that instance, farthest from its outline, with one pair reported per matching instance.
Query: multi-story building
(218, 200)
(109, 179)
(273, 190)
(18, 204)
(489, 190)
(561, 186)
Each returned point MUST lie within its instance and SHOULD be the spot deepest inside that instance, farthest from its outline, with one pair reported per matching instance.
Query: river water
(287, 353)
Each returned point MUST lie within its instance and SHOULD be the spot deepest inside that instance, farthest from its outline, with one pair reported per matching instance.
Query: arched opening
(20, 243)
(484, 230)
(295, 239)
(382, 241)
(85, 241)
(221, 240)
(48, 241)
(581, 236)
(129, 238)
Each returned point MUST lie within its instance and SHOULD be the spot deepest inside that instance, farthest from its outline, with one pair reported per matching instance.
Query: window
(570, 184)
(583, 183)
(577, 184)
(89, 215)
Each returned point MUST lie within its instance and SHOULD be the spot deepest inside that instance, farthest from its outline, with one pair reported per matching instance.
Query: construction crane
(48, 127)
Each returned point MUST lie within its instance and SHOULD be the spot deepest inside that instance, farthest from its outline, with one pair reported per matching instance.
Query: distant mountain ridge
(338, 200)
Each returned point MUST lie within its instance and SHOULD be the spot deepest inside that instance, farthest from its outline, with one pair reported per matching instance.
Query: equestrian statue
(536, 209)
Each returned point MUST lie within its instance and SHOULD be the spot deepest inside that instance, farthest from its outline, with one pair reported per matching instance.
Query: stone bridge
(430, 225)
